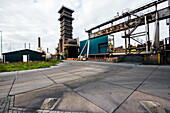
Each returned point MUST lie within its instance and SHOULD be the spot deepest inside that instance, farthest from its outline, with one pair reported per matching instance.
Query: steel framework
(132, 24)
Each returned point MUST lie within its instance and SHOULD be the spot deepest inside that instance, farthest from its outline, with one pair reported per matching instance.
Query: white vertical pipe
(146, 31)
(88, 47)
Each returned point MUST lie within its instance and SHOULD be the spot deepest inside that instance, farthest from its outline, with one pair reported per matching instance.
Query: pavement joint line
(5, 105)
(65, 81)
(153, 95)
(33, 90)
(2, 98)
(9, 103)
(12, 102)
(83, 97)
(61, 71)
(48, 77)
(118, 85)
(75, 79)
(76, 74)
(90, 75)
(96, 78)
(61, 75)
(136, 88)
(12, 83)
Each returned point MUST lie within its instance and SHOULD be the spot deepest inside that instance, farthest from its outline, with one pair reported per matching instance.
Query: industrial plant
(25, 55)
(100, 43)
(67, 47)
(120, 65)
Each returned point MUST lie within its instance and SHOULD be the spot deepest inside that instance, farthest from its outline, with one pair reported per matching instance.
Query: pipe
(125, 39)
(146, 31)
(88, 47)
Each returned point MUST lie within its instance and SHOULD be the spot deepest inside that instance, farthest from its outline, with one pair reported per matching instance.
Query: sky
(23, 21)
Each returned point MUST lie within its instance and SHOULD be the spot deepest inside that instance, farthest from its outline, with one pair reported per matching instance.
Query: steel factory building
(68, 47)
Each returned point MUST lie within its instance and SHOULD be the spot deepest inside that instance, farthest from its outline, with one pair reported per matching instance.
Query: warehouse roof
(21, 51)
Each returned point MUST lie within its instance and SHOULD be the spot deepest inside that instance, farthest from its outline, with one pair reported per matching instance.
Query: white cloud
(23, 21)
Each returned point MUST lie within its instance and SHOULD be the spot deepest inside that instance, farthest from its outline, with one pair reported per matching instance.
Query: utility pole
(1, 42)
(169, 18)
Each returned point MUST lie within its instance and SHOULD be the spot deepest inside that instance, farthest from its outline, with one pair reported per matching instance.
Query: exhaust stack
(39, 45)
(29, 46)
(47, 50)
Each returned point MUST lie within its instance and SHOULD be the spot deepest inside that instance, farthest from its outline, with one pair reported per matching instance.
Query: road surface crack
(136, 88)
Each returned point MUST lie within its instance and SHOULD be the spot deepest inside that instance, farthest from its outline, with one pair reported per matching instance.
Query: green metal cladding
(17, 56)
(97, 45)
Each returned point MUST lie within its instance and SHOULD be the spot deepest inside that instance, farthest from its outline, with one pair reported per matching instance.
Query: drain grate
(50, 103)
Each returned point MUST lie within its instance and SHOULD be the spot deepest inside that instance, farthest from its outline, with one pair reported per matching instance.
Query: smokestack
(47, 50)
(25, 45)
(29, 46)
(39, 43)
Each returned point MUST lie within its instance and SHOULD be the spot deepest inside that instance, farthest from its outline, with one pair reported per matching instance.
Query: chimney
(39, 43)
(25, 45)
(47, 50)
(29, 46)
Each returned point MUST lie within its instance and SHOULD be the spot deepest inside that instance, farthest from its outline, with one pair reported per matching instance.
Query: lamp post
(1, 42)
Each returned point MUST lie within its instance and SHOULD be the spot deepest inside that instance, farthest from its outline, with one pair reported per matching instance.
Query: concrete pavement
(89, 86)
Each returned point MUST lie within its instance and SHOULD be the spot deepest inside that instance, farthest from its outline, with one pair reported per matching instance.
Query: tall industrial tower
(66, 26)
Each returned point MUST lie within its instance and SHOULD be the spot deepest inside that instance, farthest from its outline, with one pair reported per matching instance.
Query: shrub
(2, 68)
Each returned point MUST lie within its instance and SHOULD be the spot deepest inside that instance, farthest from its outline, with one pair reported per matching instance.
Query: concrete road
(75, 86)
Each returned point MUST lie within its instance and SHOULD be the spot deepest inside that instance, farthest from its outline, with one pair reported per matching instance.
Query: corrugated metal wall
(82, 43)
(97, 45)
(18, 56)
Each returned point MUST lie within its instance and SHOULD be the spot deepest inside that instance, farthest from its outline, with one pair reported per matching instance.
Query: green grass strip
(17, 66)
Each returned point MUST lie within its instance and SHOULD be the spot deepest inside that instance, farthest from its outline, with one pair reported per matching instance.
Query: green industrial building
(24, 55)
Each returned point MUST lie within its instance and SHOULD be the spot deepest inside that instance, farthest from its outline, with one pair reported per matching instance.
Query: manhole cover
(152, 107)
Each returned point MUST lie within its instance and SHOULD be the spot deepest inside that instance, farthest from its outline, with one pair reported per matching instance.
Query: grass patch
(17, 66)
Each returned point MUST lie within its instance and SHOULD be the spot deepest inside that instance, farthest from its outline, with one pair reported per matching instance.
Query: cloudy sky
(23, 21)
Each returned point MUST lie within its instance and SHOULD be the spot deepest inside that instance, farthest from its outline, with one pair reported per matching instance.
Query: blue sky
(23, 21)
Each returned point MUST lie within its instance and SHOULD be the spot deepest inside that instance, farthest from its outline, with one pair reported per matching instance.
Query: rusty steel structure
(66, 26)
(151, 17)
(131, 24)
(67, 47)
